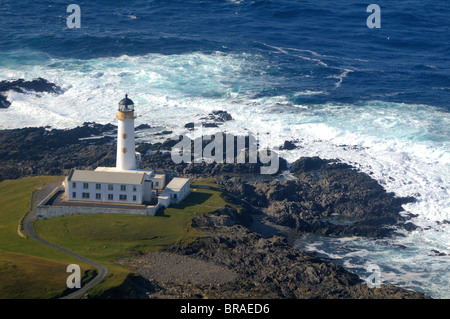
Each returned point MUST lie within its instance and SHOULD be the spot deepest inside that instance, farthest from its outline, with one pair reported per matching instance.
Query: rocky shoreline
(236, 263)
(38, 85)
(326, 197)
(265, 268)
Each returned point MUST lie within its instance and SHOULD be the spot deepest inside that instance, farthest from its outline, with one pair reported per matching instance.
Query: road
(29, 228)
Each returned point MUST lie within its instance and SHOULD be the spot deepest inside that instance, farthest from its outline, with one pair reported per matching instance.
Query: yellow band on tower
(125, 115)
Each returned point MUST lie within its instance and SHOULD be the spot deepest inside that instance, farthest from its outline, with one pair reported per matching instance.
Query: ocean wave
(419, 261)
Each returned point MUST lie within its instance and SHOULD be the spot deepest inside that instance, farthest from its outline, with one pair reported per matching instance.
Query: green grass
(24, 276)
(28, 269)
(108, 237)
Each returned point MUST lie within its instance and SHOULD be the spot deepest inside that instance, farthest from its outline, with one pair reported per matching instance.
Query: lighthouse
(126, 183)
(126, 157)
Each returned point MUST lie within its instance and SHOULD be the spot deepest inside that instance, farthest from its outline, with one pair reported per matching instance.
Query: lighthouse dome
(126, 104)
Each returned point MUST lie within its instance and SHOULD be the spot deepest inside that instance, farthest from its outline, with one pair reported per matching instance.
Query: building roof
(126, 104)
(126, 101)
(177, 183)
(114, 177)
(158, 176)
(131, 171)
(149, 172)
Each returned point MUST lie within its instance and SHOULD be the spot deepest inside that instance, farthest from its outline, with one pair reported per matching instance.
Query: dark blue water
(406, 60)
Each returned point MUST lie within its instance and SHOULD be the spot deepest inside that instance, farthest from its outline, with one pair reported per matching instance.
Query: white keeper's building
(125, 183)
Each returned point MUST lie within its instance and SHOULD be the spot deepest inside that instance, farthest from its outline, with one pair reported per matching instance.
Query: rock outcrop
(327, 197)
(265, 267)
(37, 85)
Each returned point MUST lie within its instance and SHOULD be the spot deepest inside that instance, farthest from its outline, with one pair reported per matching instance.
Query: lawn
(29, 277)
(28, 269)
(108, 237)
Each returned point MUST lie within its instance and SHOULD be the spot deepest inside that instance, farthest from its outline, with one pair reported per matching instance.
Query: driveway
(28, 226)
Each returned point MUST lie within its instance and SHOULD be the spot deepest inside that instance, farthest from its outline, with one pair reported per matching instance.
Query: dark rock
(288, 145)
(189, 125)
(4, 103)
(21, 86)
(133, 287)
(270, 268)
(324, 189)
(409, 226)
(438, 253)
(409, 215)
(204, 169)
(142, 127)
(37, 151)
(219, 116)
(210, 125)
(214, 119)
(305, 164)
(36, 85)
(164, 133)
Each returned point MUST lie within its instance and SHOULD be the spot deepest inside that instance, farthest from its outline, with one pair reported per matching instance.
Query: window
(122, 197)
(134, 198)
(98, 186)
(74, 185)
(110, 197)
(74, 194)
(156, 184)
(85, 185)
(110, 187)
(134, 188)
(123, 188)
(98, 196)
(85, 195)
(174, 195)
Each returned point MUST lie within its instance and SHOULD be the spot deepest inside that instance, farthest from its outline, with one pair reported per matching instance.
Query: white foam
(412, 265)
(405, 147)
(316, 59)
(309, 92)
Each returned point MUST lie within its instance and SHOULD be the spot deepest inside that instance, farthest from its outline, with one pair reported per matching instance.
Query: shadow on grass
(193, 199)
(230, 198)
(160, 212)
(212, 187)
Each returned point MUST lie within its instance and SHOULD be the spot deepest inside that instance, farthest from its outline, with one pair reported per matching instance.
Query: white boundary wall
(44, 211)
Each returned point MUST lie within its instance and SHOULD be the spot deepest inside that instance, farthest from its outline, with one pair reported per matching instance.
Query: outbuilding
(177, 189)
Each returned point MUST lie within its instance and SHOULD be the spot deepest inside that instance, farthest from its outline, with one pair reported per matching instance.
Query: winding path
(28, 226)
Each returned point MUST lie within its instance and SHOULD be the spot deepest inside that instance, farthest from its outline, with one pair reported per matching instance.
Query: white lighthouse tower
(125, 183)
(126, 157)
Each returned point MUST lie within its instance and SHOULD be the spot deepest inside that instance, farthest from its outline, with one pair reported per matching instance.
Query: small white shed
(177, 189)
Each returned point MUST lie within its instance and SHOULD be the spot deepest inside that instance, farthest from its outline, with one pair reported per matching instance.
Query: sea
(311, 72)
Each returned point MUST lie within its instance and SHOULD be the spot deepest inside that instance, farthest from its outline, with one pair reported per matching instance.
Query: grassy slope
(105, 238)
(27, 277)
(28, 269)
